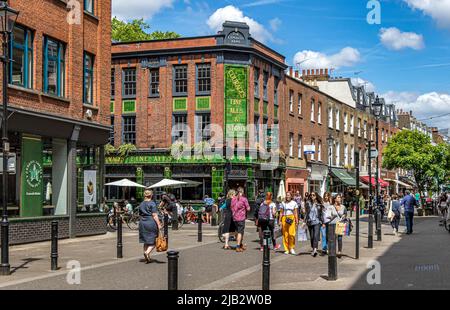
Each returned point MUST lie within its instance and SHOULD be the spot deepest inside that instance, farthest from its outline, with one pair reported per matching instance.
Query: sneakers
(277, 247)
(314, 253)
(286, 252)
(238, 249)
(293, 252)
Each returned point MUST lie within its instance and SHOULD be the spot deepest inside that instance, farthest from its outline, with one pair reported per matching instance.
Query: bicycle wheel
(133, 221)
(220, 235)
(180, 221)
(112, 222)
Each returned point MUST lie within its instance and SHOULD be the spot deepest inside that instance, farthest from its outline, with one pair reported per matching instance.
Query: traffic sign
(373, 153)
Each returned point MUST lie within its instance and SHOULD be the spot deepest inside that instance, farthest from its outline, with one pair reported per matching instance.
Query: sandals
(226, 247)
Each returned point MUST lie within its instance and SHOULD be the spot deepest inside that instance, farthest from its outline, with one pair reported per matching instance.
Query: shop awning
(383, 183)
(344, 176)
(399, 183)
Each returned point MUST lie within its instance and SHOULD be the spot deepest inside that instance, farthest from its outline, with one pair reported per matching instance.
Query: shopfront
(317, 178)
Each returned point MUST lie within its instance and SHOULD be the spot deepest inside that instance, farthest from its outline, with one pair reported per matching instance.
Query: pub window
(265, 83)
(291, 101)
(21, 68)
(180, 81)
(54, 67)
(204, 79)
(88, 89)
(154, 82)
(129, 83)
(89, 6)
(203, 132)
(129, 130)
(113, 83)
(111, 132)
(256, 82)
(180, 128)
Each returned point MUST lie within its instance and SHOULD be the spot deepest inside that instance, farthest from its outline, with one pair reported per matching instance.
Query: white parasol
(168, 183)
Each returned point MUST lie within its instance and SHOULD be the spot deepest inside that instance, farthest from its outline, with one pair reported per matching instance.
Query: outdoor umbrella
(168, 183)
(281, 191)
(125, 183)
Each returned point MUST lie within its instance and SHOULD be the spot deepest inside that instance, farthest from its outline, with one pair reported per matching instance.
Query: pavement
(407, 262)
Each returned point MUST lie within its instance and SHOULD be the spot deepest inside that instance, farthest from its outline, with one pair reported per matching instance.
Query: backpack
(264, 212)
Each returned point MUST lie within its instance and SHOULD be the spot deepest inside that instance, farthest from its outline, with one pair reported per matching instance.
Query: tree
(137, 30)
(413, 151)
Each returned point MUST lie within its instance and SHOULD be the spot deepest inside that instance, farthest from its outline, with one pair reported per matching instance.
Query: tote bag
(340, 228)
(161, 243)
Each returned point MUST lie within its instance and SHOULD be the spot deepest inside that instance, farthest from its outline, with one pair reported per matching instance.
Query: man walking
(239, 208)
(409, 202)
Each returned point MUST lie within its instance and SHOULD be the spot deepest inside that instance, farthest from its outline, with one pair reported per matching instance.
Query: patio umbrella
(125, 183)
(168, 183)
(281, 191)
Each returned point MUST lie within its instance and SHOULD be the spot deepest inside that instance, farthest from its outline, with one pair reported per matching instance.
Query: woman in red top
(240, 207)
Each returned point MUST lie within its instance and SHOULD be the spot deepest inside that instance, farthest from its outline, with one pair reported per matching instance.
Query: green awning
(343, 175)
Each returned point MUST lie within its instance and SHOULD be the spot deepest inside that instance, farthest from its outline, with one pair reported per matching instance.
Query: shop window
(21, 68)
(88, 90)
(54, 67)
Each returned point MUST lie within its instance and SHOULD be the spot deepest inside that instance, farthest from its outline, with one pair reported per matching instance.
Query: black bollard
(54, 247)
(266, 262)
(119, 235)
(166, 226)
(379, 225)
(213, 216)
(172, 280)
(200, 222)
(332, 260)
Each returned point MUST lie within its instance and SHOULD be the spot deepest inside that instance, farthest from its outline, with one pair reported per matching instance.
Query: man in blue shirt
(409, 202)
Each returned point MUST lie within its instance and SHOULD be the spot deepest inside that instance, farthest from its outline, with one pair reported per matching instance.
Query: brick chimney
(296, 74)
(315, 75)
(291, 71)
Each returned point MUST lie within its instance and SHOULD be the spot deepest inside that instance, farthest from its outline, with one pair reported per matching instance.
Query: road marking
(117, 261)
(233, 277)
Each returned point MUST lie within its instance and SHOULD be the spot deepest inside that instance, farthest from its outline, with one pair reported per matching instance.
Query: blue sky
(406, 58)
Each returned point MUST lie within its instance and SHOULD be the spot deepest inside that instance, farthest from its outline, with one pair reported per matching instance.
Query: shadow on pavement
(26, 261)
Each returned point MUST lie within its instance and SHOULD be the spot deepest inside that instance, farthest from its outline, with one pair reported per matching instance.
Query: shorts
(240, 227)
(208, 209)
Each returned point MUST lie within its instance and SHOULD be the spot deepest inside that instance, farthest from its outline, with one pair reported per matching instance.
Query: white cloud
(396, 40)
(369, 86)
(232, 13)
(130, 9)
(347, 57)
(439, 10)
(275, 24)
(423, 106)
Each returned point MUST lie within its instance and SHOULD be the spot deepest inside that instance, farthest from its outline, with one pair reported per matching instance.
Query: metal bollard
(54, 247)
(172, 280)
(266, 262)
(166, 226)
(378, 226)
(213, 216)
(200, 222)
(119, 236)
(332, 260)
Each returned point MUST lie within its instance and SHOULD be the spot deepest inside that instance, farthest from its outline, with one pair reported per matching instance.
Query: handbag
(289, 221)
(161, 243)
(340, 228)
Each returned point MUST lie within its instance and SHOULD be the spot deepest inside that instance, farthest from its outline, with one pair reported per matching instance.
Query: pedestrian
(265, 220)
(149, 224)
(409, 202)
(289, 221)
(128, 208)
(240, 207)
(326, 209)
(417, 197)
(227, 216)
(298, 199)
(340, 215)
(313, 220)
(209, 205)
(443, 203)
(394, 215)
(359, 197)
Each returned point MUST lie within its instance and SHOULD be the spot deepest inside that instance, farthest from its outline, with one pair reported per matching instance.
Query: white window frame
(352, 156)
(345, 122)
(330, 118)
(291, 101)
(352, 124)
(299, 103)
(313, 142)
(365, 129)
(319, 151)
(338, 115)
(300, 146)
(346, 154)
(313, 106)
(319, 112)
(291, 144)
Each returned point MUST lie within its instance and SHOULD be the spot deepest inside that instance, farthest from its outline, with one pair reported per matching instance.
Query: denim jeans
(409, 216)
(323, 232)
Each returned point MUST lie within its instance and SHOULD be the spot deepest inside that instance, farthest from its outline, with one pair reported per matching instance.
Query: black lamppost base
(5, 270)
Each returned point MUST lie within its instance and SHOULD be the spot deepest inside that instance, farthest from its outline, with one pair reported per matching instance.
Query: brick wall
(23, 231)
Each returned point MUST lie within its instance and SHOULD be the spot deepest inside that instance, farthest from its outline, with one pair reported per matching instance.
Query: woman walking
(340, 215)
(227, 215)
(149, 225)
(265, 220)
(395, 216)
(326, 209)
(313, 220)
(240, 207)
(289, 221)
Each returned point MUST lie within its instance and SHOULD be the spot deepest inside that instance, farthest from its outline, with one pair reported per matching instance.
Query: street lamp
(377, 109)
(8, 18)
(330, 141)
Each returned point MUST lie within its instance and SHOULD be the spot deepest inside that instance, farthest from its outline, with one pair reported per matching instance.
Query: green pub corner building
(194, 92)
(58, 120)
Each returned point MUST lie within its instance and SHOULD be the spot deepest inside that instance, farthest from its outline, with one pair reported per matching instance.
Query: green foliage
(125, 149)
(137, 30)
(109, 149)
(413, 151)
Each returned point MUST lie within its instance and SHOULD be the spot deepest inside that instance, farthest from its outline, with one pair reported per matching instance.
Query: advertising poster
(90, 187)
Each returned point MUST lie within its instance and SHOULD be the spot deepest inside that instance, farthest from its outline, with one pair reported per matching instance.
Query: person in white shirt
(289, 222)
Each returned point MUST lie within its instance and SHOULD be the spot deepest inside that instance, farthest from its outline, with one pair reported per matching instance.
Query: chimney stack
(291, 71)
(296, 74)
(308, 72)
(303, 72)
(326, 72)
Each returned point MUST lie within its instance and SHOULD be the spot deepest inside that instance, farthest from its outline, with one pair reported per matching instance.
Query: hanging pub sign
(309, 149)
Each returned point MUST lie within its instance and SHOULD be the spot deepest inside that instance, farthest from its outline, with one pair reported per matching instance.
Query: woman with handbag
(341, 216)
(313, 220)
(227, 215)
(289, 221)
(149, 225)
(326, 210)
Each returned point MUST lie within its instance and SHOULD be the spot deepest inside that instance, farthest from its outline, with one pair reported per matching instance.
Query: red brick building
(59, 95)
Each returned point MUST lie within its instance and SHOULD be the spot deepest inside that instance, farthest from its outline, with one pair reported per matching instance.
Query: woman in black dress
(149, 224)
(228, 223)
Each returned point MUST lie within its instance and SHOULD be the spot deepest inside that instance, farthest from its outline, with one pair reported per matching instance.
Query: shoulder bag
(161, 242)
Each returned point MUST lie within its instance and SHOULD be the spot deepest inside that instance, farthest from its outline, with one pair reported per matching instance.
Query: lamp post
(8, 18)
(377, 109)
(330, 141)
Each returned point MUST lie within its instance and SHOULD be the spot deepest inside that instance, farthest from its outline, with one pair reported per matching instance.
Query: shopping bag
(161, 243)
(302, 232)
(340, 228)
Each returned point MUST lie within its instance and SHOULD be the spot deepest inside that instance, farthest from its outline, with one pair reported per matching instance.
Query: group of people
(312, 212)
